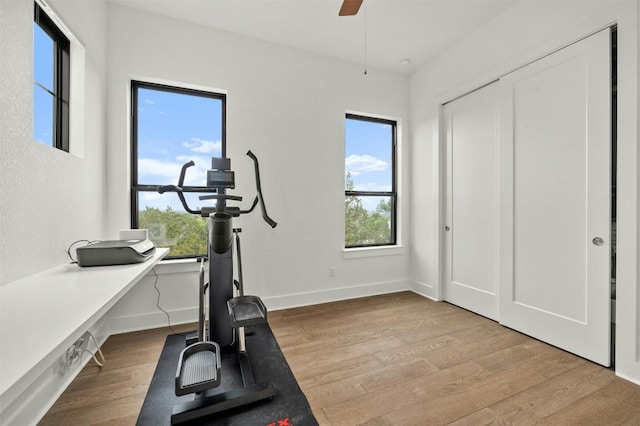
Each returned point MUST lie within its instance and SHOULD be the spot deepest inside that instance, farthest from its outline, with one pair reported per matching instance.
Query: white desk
(42, 315)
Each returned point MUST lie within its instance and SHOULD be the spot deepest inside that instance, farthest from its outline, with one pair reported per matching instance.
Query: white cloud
(196, 175)
(203, 146)
(167, 171)
(151, 107)
(370, 203)
(358, 164)
(150, 196)
(372, 186)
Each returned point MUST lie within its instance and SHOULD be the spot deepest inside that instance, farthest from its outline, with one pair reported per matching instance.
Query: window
(170, 127)
(370, 182)
(51, 82)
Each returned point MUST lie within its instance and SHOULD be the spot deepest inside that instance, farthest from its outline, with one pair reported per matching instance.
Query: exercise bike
(230, 310)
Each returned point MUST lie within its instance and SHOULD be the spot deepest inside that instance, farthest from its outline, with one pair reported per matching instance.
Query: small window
(370, 182)
(51, 82)
(170, 127)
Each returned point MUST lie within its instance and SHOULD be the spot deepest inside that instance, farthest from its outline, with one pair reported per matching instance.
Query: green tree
(363, 227)
(384, 207)
(184, 233)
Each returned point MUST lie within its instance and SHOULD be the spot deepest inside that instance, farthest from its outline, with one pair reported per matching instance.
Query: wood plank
(386, 360)
(543, 400)
(318, 376)
(616, 403)
(466, 396)
(411, 393)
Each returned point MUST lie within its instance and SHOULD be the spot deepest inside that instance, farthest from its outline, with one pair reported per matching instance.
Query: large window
(51, 82)
(172, 126)
(370, 182)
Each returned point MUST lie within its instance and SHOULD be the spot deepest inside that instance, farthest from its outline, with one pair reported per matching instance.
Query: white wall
(288, 107)
(49, 198)
(522, 33)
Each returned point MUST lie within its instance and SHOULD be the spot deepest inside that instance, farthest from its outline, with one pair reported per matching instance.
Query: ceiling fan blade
(350, 7)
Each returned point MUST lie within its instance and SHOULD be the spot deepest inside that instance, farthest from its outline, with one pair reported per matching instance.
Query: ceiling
(395, 29)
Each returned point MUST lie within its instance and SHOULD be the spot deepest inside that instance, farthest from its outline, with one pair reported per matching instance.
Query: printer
(115, 252)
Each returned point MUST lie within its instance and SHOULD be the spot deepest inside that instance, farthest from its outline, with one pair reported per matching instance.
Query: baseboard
(335, 294)
(425, 290)
(149, 320)
(30, 407)
(628, 378)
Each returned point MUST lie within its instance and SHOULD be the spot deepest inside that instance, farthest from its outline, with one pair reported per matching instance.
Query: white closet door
(472, 124)
(555, 193)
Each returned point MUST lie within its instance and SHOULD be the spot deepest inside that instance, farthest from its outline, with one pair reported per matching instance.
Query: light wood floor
(396, 359)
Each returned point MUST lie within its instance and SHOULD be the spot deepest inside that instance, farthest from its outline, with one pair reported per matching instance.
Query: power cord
(155, 285)
(99, 351)
(89, 242)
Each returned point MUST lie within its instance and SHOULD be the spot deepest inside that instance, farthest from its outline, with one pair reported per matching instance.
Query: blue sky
(368, 154)
(43, 74)
(368, 158)
(172, 130)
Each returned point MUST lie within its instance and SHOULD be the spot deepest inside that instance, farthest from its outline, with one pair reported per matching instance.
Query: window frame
(137, 188)
(61, 77)
(393, 194)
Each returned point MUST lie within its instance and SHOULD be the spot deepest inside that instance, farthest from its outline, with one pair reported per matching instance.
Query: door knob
(597, 241)
(446, 228)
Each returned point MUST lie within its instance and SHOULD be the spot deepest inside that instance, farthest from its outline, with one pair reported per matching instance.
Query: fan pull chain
(365, 38)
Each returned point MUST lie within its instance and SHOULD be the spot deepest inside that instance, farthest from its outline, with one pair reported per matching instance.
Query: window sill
(360, 252)
(177, 266)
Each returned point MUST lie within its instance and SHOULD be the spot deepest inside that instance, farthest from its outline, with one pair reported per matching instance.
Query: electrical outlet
(332, 271)
(84, 341)
(75, 351)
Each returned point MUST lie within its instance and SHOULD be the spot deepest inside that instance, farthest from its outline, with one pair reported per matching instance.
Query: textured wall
(48, 198)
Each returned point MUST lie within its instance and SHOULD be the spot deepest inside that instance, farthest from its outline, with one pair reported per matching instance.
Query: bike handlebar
(265, 216)
(169, 188)
(183, 172)
(180, 189)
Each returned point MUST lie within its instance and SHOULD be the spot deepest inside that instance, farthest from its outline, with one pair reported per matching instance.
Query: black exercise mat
(289, 407)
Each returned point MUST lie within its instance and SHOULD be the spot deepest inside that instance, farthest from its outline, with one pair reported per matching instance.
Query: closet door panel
(472, 124)
(555, 166)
